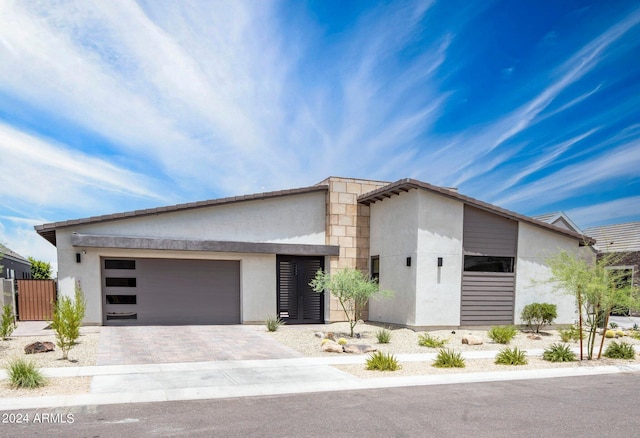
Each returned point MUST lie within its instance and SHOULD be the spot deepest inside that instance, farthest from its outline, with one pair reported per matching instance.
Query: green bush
(511, 356)
(539, 314)
(613, 325)
(502, 334)
(67, 318)
(620, 350)
(383, 336)
(380, 361)
(569, 334)
(426, 340)
(24, 374)
(448, 358)
(8, 323)
(273, 322)
(559, 353)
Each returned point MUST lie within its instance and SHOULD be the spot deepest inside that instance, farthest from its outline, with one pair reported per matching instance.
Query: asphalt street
(592, 406)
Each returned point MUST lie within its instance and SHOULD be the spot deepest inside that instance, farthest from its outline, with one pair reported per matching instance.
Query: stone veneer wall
(347, 225)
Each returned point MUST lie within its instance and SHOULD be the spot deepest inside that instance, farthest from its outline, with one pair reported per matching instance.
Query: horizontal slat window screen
(488, 234)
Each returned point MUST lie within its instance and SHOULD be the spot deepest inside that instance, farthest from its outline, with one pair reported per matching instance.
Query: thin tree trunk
(580, 321)
(604, 332)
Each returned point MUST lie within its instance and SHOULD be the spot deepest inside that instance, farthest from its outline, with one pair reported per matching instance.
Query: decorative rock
(472, 340)
(534, 337)
(39, 347)
(358, 349)
(332, 347)
(319, 335)
(330, 335)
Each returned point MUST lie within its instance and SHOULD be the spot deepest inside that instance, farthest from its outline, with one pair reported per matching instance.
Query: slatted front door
(297, 302)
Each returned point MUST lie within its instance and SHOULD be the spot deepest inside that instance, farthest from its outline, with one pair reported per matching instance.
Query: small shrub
(511, 356)
(383, 336)
(67, 318)
(569, 334)
(380, 361)
(502, 334)
(636, 327)
(613, 325)
(539, 314)
(609, 334)
(24, 374)
(426, 340)
(559, 353)
(635, 335)
(273, 322)
(342, 341)
(620, 333)
(620, 350)
(8, 324)
(448, 358)
(325, 340)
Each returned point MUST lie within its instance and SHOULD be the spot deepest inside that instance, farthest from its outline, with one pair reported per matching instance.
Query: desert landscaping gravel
(304, 340)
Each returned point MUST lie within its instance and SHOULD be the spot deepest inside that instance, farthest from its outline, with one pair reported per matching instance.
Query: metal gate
(297, 302)
(36, 299)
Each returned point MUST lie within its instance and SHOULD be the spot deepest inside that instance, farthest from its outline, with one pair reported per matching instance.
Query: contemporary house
(451, 260)
(13, 264)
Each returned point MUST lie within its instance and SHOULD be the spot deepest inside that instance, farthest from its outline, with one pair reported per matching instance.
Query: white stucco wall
(290, 219)
(393, 228)
(286, 219)
(438, 290)
(535, 245)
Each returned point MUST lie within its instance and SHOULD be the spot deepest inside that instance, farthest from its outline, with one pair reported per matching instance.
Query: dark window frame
(495, 264)
(375, 273)
(127, 264)
(121, 299)
(120, 282)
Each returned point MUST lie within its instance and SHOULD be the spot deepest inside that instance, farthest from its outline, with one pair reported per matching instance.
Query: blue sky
(119, 105)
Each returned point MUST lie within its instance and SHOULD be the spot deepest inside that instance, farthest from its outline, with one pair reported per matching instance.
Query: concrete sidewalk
(224, 379)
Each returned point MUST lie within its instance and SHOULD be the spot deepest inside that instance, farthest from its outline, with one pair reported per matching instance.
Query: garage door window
(119, 264)
(120, 282)
(122, 299)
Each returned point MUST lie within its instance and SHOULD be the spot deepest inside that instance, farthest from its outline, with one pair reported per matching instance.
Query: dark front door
(297, 302)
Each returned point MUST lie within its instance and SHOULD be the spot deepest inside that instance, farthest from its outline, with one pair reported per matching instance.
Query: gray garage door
(170, 291)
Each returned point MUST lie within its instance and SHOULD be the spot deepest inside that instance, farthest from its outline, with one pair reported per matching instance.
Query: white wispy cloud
(41, 173)
(616, 211)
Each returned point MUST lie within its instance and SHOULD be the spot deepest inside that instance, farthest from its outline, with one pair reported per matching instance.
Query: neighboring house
(451, 260)
(13, 264)
(623, 240)
(559, 219)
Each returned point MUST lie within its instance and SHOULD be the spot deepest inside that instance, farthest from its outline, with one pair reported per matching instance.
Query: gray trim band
(94, 241)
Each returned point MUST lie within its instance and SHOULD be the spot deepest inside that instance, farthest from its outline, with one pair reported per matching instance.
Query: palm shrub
(448, 358)
(539, 314)
(559, 353)
(502, 334)
(67, 318)
(380, 361)
(273, 322)
(511, 356)
(8, 324)
(383, 336)
(24, 374)
(620, 350)
(426, 340)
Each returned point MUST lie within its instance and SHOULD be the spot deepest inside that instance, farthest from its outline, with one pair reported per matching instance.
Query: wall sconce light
(408, 261)
(439, 262)
(78, 257)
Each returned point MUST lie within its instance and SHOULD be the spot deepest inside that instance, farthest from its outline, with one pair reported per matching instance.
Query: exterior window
(120, 282)
(119, 264)
(488, 264)
(118, 316)
(375, 268)
(122, 299)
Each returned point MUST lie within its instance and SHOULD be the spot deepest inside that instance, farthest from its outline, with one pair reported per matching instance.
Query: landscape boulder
(39, 347)
(472, 340)
(358, 348)
(331, 347)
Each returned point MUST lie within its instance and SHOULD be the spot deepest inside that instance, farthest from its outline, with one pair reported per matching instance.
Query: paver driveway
(194, 343)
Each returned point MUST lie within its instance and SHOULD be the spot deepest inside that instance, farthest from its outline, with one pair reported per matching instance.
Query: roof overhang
(404, 185)
(125, 242)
